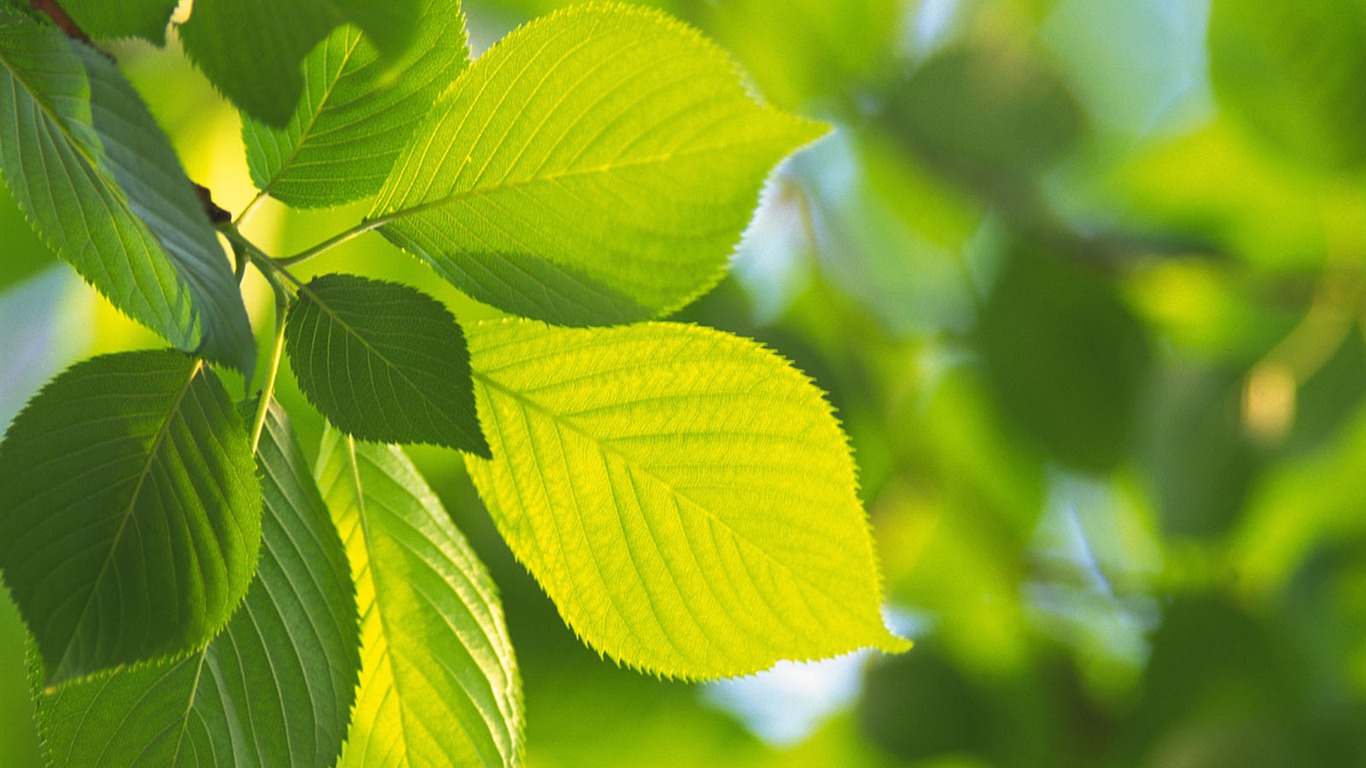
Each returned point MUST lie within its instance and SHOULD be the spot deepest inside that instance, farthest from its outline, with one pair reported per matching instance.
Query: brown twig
(217, 215)
(64, 22)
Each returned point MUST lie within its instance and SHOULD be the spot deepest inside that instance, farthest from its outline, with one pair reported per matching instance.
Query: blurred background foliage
(1084, 279)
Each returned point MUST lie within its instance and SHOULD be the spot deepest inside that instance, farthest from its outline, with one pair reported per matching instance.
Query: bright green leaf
(595, 166)
(251, 49)
(439, 683)
(383, 362)
(131, 520)
(684, 496)
(146, 19)
(352, 121)
(275, 689)
(100, 182)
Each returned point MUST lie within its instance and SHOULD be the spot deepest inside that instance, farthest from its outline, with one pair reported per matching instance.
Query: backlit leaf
(275, 689)
(101, 184)
(439, 683)
(131, 520)
(595, 166)
(251, 49)
(352, 121)
(383, 362)
(684, 496)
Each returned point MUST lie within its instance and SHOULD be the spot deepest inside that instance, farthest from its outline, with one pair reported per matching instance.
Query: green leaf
(251, 49)
(1066, 359)
(383, 362)
(596, 166)
(1293, 71)
(275, 689)
(439, 683)
(146, 19)
(131, 521)
(342, 140)
(92, 170)
(684, 496)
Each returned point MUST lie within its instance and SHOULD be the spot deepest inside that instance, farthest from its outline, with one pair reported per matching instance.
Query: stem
(250, 208)
(276, 352)
(260, 258)
(333, 242)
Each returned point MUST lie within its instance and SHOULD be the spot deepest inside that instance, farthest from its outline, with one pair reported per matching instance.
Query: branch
(64, 22)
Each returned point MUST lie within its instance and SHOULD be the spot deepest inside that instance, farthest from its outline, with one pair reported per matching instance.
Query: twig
(64, 22)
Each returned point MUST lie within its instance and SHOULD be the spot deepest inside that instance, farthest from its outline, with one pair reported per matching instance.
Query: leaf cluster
(196, 595)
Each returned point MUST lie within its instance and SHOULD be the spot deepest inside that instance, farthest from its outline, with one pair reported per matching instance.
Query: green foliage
(554, 182)
(439, 684)
(597, 166)
(415, 386)
(1078, 282)
(1294, 72)
(353, 119)
(93, 172)
(146, 19)
(263, 79)
(132, 516)
(684, 496)
(294, 637)
(1067, 371)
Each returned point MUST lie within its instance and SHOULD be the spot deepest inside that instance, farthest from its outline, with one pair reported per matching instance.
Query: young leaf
(684, 496)
(596, 166)
(439, 683)
(131, 520)
(352, 121)
(275, 689)
(383, 362)
(100, 182)
(146, 19)
(251, 49)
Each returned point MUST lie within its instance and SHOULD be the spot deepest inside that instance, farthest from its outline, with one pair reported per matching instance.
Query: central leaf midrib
(313, 120)
(353, 460)
(632, 462)
(111, 186)
(421, 391)
(159, 436)
(477, 191)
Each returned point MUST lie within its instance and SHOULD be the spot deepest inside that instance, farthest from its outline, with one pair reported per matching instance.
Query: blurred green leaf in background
(1086, 283)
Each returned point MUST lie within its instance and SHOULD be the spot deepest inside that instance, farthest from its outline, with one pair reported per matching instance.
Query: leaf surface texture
(684, 496)
(439, 683)
(131, 521)
(353, 120)
(94, 173)
(252, 49)
(595, 166)
(274, 689)
(383, 362)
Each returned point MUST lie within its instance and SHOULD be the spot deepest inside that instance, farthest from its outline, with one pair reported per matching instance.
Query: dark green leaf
(275, 689)
(131, 521)
(89, 166)
(1065, 358)
(353, 121)
(384, 363)
(251, 49)
(984, 114)
(146, 19)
